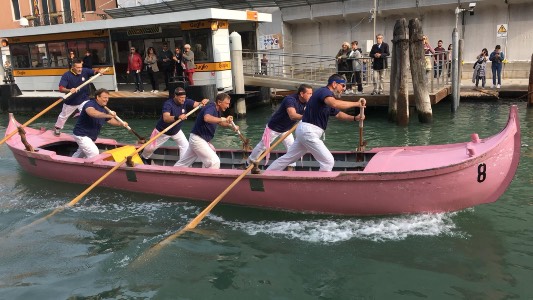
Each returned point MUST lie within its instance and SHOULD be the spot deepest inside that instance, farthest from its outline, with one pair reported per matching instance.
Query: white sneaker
(498, 86)
(493, 86)
(156, 91)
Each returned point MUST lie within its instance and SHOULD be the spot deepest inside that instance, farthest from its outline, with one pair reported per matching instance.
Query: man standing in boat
(87, 128)
(203, 132)
(289, 112)
(69, 84)
(175, 108)
(323, 104)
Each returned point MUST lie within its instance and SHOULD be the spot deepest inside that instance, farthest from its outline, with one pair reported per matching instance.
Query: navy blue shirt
(201, 127)
(70, 80)
(280, 120)
(174, 109)
(317, 111)
(87, 125)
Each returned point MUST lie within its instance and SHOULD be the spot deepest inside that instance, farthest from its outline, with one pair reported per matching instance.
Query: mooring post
(237, 72)
(455, 70)
(399, 93)
(418, 72)
(530, 88)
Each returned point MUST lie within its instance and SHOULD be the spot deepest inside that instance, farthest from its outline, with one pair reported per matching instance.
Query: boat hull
(396, 180)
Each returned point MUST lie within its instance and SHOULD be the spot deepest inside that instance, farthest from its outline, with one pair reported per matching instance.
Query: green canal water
(88, 251)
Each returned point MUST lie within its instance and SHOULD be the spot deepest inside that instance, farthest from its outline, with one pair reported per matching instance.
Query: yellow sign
(51, 72)
(59, 36)
(204, 24)
(501, 30)
(215, 66)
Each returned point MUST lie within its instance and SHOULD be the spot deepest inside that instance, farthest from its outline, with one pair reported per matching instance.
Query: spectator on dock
(428, 51)
(357, 67)
(497, 57)
(135, 65)
(188, 63)
(343, 66)
(449, 60)
(289, 112)
(479, 68)
(440, 58)
(322, 104)
(379, 53)
(264, 64)
(88, 59)
(69, 83)
(167, 64)
(203, 132)
(70, 59)
(87, 128)
(178, 68)
(151, 68)
(175, 108)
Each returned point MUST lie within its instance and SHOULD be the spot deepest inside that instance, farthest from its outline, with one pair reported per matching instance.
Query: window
(16, 9)
(58, 55)
(38, 56)
(87, 5)
(20, 56)
(99, 52)
(200, 41)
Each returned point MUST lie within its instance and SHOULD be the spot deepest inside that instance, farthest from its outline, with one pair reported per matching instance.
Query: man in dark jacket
(379, 52)
(167, 63)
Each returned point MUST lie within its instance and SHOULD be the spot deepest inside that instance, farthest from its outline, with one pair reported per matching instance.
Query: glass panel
(99, 52)
(38, 56)
(58, 55)
(20, 56)
(200, 41)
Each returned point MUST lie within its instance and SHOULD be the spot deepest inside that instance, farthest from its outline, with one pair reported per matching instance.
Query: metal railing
(316, 68)
(53, 18)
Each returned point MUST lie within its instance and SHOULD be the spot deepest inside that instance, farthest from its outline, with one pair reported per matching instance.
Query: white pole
(237, 72)
(455, 70)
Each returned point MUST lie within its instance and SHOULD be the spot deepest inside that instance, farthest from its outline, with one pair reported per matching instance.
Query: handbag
(428, 63)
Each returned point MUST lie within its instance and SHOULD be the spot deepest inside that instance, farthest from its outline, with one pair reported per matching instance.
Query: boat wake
(379, 229)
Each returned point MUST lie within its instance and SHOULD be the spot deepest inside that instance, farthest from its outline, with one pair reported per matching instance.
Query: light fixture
(214, 25)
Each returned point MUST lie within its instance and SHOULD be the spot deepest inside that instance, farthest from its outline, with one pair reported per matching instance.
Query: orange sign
(251, 15)
(220, 24)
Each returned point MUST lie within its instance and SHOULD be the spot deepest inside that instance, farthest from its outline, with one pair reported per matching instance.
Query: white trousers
(377, 80)
(201, 149)
(66, 111)
(86, 147)
(179, 138)
(307, 140)
(272, 135)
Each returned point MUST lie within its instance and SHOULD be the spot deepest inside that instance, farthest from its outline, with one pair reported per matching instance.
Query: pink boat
(388, 180)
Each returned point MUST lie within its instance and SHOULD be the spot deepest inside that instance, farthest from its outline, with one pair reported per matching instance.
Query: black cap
(179, 91)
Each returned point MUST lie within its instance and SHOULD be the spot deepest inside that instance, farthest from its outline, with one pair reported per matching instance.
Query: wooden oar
(142, 140)
(245, 142)
(7, 137)
(97, 182)
(192, 224)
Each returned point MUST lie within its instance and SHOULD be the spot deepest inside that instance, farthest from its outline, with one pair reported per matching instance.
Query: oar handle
(8, 136)
(117, 117)
(362, 115)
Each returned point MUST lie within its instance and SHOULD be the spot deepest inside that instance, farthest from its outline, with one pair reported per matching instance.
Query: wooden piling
(418, 72)
(399, 94)
(530, 87)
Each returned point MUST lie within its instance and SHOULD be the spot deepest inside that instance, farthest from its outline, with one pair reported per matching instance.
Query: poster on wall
(501, 30)
(270, 41)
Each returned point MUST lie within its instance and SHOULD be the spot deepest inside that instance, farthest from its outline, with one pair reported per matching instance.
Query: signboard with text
(501, 30)
(270, 41)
